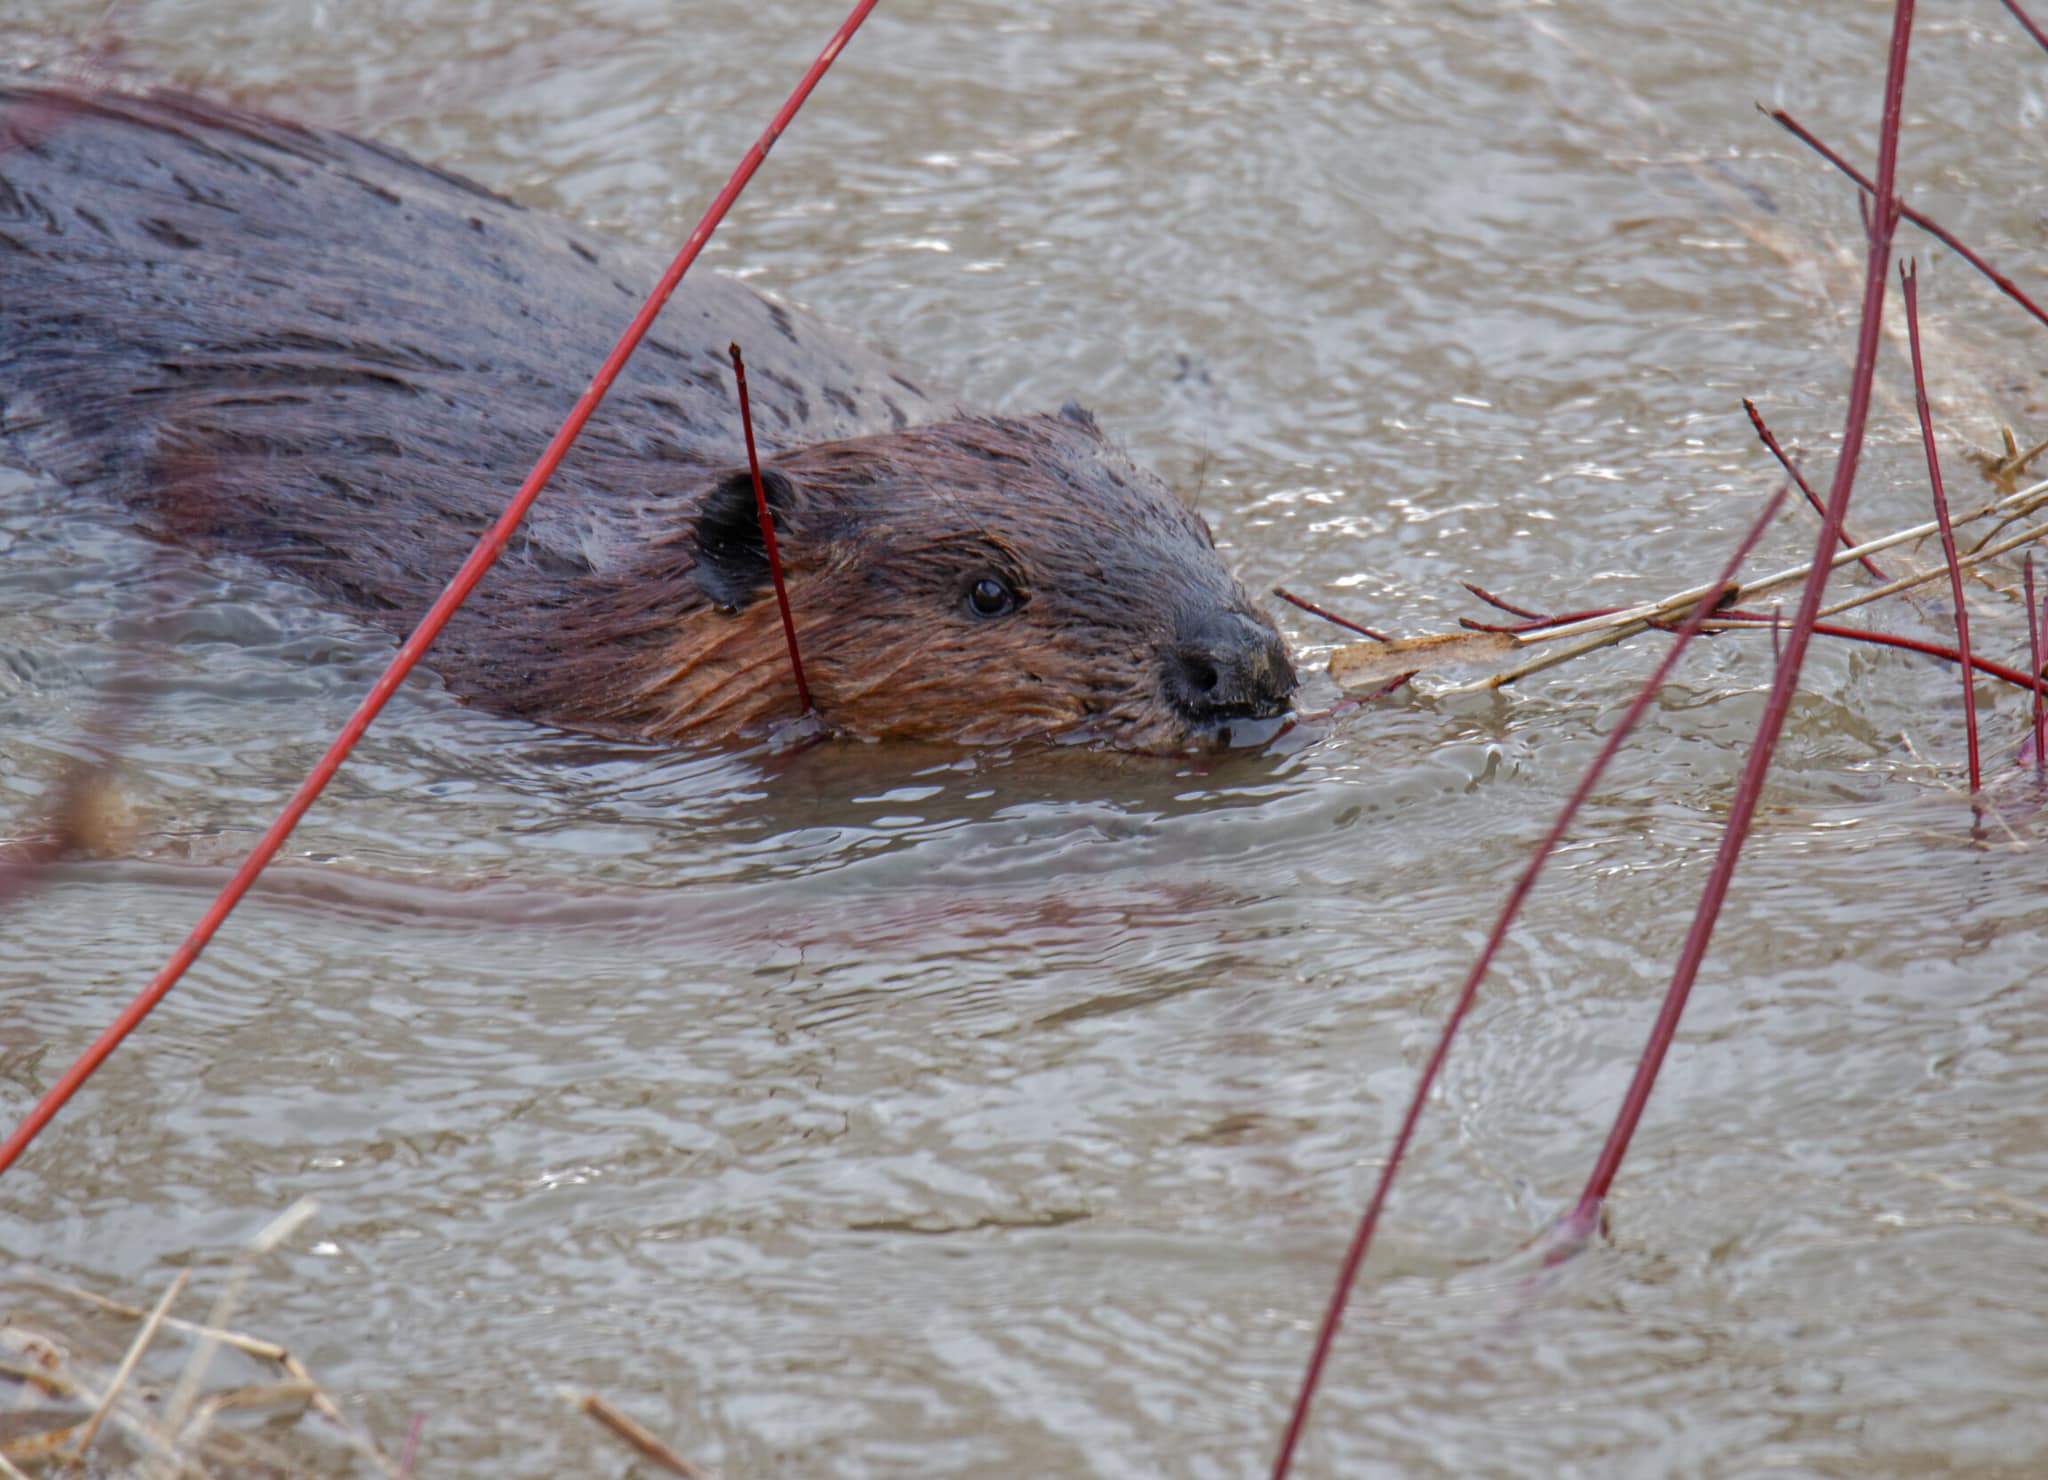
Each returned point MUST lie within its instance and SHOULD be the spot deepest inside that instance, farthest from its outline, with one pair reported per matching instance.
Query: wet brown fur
(285, 343)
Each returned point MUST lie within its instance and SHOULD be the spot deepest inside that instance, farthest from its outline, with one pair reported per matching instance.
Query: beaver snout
(1228, 665)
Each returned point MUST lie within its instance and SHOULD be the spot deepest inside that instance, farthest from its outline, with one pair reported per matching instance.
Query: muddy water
(882, 1112)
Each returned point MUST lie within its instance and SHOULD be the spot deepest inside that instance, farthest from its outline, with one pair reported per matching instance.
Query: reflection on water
(886, 1111)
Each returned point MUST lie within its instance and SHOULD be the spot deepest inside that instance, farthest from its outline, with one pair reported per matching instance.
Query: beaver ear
(1080, 416)
(732, 557)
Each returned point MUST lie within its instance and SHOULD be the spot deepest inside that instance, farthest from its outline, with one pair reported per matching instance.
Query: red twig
(1539, 622)
(1769, 439)
(1922, 645)
(1536, 622)
(1361, 1239)
(796, 660)
(1742, 809)
(2022, 17)
(480, 559)
(1775, 620)
(1328, 616)
(1909, 283)
(2037, 616)
(412, 1445)
(1926, 223)
(1504, 604)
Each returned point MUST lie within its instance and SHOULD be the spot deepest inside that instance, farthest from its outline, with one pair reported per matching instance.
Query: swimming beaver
(284, 342)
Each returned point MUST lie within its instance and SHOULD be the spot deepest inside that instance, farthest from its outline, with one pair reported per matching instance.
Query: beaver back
(279, 291)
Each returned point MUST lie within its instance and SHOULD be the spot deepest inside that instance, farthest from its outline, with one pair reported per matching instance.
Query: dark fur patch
(731, 552)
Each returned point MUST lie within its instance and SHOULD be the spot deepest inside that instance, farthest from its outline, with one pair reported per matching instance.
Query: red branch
(1328, 616)
(1536, 622)
(1769, 439)
(412, 1444)
(1926, 223)
(414, 648)
(2036, 617)
(2035, 685)
(2022, 17)
(1504, 604)
(796, 660)
(1988, 666)
(1361, 1239)
(1909, 282)
(1749, 792)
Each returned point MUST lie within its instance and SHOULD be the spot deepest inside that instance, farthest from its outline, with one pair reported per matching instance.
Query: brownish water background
(905, 1113)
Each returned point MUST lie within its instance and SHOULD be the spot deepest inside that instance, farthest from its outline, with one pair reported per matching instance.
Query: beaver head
(974, 580)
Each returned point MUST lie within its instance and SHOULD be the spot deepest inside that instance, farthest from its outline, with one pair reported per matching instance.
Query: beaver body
(286, 343)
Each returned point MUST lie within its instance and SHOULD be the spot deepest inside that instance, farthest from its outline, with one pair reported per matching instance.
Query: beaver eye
(989, 597)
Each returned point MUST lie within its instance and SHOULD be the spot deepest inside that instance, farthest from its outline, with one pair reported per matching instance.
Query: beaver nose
(1228, 665)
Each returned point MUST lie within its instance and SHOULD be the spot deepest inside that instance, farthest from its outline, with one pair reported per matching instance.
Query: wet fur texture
(288, 344)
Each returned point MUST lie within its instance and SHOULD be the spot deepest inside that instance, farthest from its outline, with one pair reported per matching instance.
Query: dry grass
(159, 1409)
(1362, 666)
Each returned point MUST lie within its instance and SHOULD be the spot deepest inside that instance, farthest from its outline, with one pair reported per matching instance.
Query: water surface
(904, 1112)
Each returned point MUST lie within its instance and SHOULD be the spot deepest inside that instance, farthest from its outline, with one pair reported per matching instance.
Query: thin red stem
(1468, 991)
(1926, 223)
(1541, 621)
(1504, 604)
(2025, 20)
(767, 517)
(1770, 440)
(412, 1445)
(414, 648)
(1536, 622)
(1775, 620)
(2037, 617)
(1749, 792)
(1983, 665)
(1328, 616)
(1909, 282)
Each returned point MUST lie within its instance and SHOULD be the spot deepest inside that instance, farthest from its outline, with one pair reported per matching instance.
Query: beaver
(283, 342)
